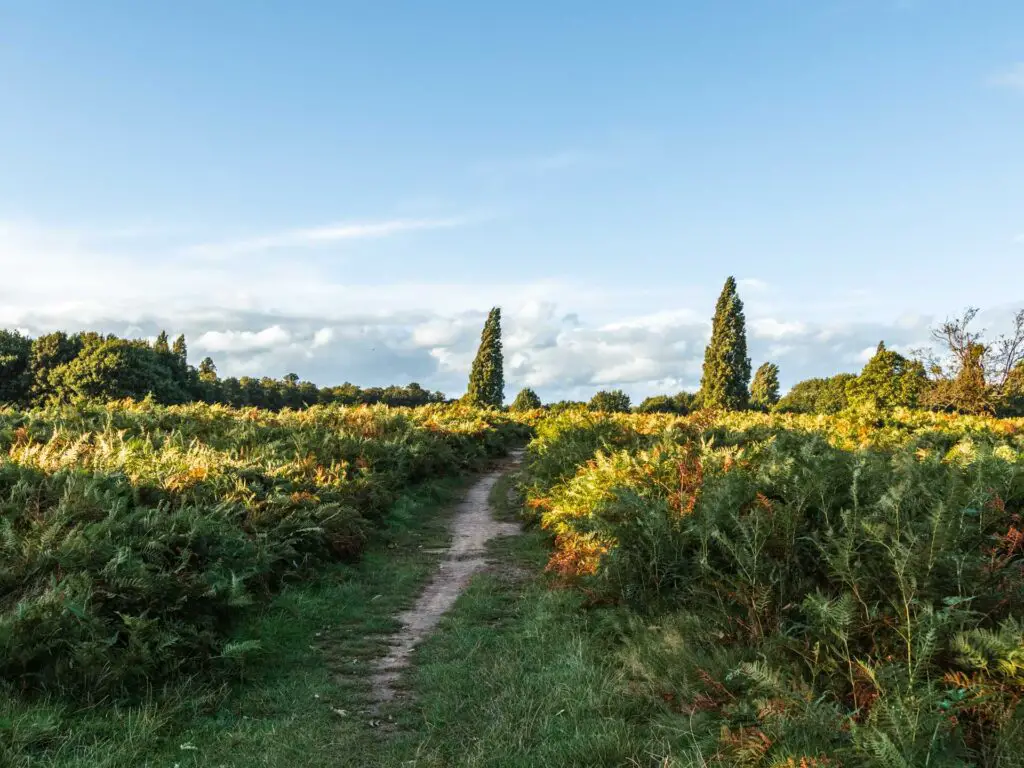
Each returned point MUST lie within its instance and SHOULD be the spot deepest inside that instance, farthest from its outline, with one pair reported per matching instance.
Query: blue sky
(343, 189)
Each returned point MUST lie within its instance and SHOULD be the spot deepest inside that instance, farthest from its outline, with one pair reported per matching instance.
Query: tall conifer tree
(487, 378)
(180, 350)
(726, 365)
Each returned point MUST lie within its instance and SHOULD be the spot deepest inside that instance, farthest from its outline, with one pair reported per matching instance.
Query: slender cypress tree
(180, 350)
(726, 365)
(486, 378)
(764, 389)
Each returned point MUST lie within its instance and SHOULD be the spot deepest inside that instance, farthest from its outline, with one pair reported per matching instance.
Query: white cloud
(770, 328)
(244, 341)
(316, 236)
(566, 338)
(438, 332)
(323, 337)
(753, 284)
(1012, 77)
(864, 355)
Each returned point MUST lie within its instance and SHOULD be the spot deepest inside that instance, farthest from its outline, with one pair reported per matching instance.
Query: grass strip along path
(516, 673)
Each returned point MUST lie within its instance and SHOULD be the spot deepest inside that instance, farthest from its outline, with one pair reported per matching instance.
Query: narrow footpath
(473, 527)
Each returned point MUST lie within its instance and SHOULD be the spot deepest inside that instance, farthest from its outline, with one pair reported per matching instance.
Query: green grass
(317, 641)
(518, 674)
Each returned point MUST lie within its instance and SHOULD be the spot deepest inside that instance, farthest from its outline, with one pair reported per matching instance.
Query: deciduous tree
(888, 380)
(968, 374)
(15, 373)
(826, 395)
(614, 401)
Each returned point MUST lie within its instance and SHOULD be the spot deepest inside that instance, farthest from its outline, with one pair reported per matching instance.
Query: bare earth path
(474, 525)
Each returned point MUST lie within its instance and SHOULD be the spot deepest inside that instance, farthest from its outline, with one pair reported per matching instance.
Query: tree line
(60, 368)
(963, 373)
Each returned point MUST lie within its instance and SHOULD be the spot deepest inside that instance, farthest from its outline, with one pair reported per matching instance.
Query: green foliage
(1011, 397)
(162, 344)
(49, 353)
(726, 365)
(681, 404)
(822, 587)
(764, 390)
(15, 373)
(180, 350)
(526, 400)
(59, 368)
(656, 404)
(817, 395)
(207, 371)
(132, 538)
(486, 378)
(968, 391)
(614, 401)
(889, 380)
(115, 370)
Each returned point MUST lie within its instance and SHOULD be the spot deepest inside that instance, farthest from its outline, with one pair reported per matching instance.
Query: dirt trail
(472, 528)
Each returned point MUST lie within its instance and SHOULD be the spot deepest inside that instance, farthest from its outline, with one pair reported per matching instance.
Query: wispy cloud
(317, 236)
(539, 164)
(753, 284)
(1012, 78)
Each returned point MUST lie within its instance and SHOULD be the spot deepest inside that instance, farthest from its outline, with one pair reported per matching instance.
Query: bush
(852, 586)
(132, 537)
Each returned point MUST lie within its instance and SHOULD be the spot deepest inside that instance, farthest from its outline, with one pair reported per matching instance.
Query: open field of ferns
(804, 590)
(133, 537)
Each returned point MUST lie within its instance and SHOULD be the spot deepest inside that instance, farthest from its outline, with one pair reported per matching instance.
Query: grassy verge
(298, 704)
(518, 674)
(521, 674)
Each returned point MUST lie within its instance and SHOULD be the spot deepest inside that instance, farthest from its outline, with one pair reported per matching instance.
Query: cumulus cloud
(770, 328)
(564, 338)
(323, 337)
(244, 341)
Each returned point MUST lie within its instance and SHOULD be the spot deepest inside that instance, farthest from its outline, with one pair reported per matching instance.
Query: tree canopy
(614, 401)
(526, 400)
(819, 395)
(888, 380)
(764, 389)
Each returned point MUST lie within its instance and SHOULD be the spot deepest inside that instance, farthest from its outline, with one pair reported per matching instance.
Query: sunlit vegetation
(833, 576)
(132, 537)
(807, 588)
(59, 368)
